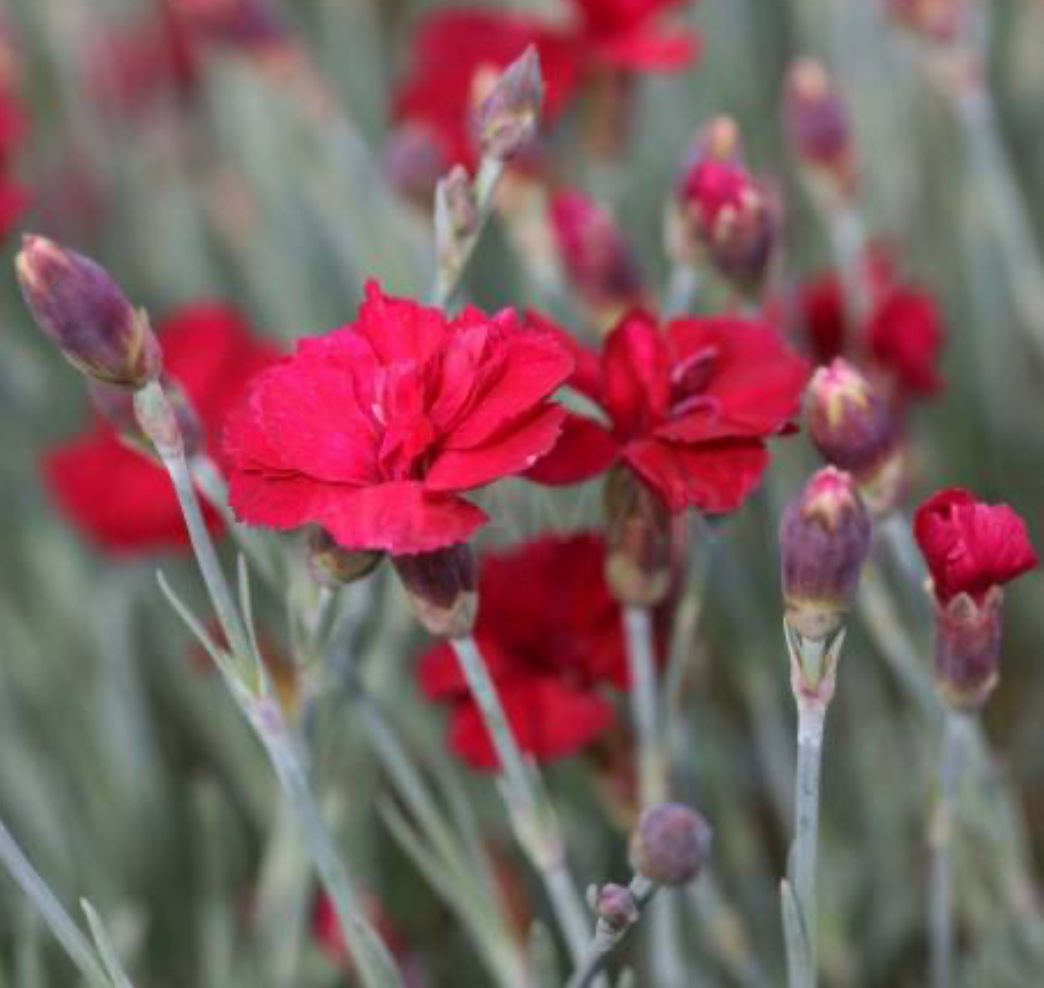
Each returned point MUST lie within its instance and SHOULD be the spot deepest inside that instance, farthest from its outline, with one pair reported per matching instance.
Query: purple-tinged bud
(442, 588)
(640, 563)
(670, 844)
(934, 21)
(333, 566)
(116, 406)
(848, 421)
(616, 907)
(818, 125)
(824, 539)
(79, 306)
(967, 648)
(508, 115)
(413, 162)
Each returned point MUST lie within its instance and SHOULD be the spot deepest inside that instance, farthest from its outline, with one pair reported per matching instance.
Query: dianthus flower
(972, 549)
(455, 46)
(970, 546)
(690, 407)
(901, 339)
(114, 494)
(13, 196)
(374, 431)
(550, 631)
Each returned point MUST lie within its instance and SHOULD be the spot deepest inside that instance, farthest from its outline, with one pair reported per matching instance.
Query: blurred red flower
(375, 430)
(455, 46)
(550, 632)
(114, 494)
(13, 196)
(971, 546)
(690, 406)
(901, 340)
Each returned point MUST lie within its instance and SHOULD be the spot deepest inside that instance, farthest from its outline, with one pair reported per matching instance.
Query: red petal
(650, 51)
(584, 450)
(516, 448)
(715, 477)
(587, 372)
(636, 374)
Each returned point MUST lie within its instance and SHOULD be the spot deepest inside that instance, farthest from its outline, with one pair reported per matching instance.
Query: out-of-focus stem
(811, 715)
(994, 173)
(532, 815)
(940, 906)
(606, 938)
(448, 275)
(53, 913)
(247, 682)
(683, 284)
(652, 763)
(848, 236)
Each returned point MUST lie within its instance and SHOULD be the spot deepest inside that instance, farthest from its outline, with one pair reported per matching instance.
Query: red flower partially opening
(453, 47)
(550, 632)
(690, 408)
(375, 430)
(971, 546)
(114, 494)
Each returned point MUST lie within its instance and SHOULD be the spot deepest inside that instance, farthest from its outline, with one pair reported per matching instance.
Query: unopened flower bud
(824, 540)
(594, 253)
(639, 534)
(670, 844)
(848, 421)
(508, 116)
(442, 588)
(116, 406)
(333, 566)
(78, 305)
(967, 648)
(413, 161)
(616, 907)
(818, 125)
(934, 21)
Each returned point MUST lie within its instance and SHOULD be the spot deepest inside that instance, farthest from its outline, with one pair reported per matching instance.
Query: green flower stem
(652, 760)
(246, 679)
(811, 717)
(849, 240)
(452, 264)
(940, 905)
(53, 913)
(532, 815)
(606, 937)
(683, 286)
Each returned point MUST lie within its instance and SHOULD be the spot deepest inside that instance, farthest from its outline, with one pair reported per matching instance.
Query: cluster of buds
(442, 588)
(824, 536)
(972, 549)
(640, 541)
(726, 218)
(820, 131)
(78, 305)
(854, 429)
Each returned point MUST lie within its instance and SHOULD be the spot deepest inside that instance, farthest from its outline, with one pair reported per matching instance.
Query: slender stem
(53, 913)
(252, 695)
(940, 905)
(532, 816)
(811, 715)
(682, 287)
(606, 937)
(453, 263)
(848, 235)
(652, 775)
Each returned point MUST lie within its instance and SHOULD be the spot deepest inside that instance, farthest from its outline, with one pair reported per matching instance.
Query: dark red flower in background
(455, 46)
(13, 126)
(901, 341)
(550, 632)
(971, 546)
(690, 408)
(375, 430)
(114, 494)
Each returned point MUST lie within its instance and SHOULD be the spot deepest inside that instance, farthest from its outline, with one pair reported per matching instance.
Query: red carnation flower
(970, 546)
(902, 338)
(115, 495)
(550, 632)
(690, 407)
(374, 431)
(454, 47)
